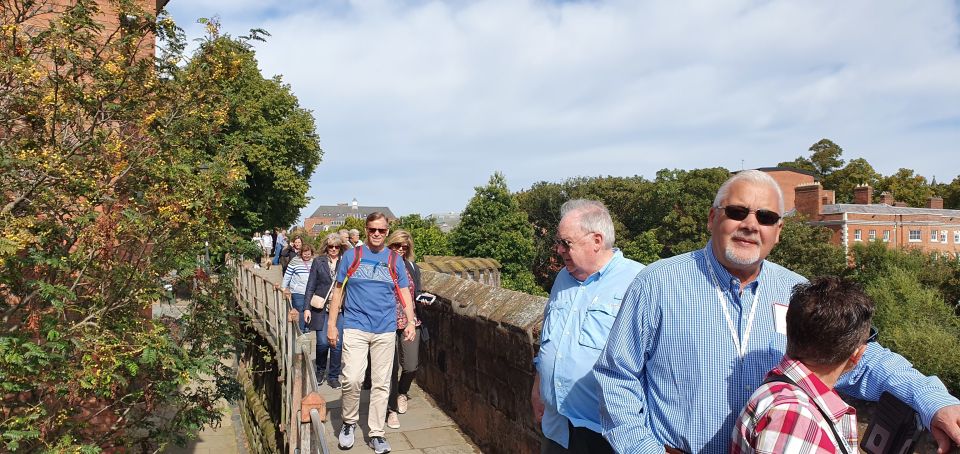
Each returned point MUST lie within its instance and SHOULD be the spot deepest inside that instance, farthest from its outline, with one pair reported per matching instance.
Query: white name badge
(780, 317)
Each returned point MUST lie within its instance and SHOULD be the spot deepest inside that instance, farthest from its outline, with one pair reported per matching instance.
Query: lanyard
(722, 299)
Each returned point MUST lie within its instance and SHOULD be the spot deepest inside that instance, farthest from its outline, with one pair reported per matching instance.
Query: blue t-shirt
(371, 302)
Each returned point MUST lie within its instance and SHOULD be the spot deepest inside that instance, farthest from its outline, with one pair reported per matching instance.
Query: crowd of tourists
(713, 351)
(360, 299)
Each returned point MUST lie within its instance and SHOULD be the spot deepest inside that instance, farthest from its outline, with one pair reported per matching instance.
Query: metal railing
(303, 410)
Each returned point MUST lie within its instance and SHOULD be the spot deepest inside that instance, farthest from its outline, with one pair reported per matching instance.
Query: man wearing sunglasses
(698, 332)
(369, 325)
(584, 301)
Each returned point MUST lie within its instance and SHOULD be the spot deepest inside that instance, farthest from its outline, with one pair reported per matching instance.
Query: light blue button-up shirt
(576, 322)
(670, 373)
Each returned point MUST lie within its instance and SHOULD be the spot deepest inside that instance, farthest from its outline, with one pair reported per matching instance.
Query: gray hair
(354, 232)
(332, 239)
(756, 177)
(342, 231)
(593, 217)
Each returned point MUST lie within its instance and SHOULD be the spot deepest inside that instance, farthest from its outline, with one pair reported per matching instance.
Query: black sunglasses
(371, 231)
(873, 334)
(739, 213)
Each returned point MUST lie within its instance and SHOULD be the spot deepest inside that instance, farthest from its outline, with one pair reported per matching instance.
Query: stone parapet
(478, 363)
(483, 270)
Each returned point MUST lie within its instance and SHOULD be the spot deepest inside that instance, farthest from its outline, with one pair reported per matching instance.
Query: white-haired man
(584, 301)
(698, 332)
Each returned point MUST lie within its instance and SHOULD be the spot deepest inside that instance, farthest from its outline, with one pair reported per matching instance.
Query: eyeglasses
(399, 246)
(739, 213)
(874, 332)
(333, 247)
(565, 244)
(371, 231)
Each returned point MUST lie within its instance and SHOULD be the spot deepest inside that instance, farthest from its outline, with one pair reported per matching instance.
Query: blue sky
(418, 102)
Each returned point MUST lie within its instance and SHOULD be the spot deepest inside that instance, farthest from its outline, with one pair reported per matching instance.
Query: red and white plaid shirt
(783, 418)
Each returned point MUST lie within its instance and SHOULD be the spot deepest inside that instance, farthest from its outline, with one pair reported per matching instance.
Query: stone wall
(478, 363)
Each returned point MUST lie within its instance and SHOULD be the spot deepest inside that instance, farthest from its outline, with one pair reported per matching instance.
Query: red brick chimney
(862, 194)
(828, 197)
(808, 199)
(886, 198)
(935, 202)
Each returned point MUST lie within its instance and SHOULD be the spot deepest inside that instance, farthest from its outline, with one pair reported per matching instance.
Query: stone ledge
(512, 310)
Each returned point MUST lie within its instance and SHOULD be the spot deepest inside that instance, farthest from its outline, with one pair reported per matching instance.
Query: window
(933, 236)
(886, 236)
(956, 237)
(873, 235)
(914, 235)
(856, 235)
(943, 236)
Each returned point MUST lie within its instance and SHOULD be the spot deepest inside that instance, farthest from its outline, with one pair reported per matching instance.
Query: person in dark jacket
(322, 275)
(408, 352)
(292, 250)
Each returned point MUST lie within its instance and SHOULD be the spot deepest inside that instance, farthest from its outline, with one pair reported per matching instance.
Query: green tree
(688, 195)
(951, 194)
(843, 181)
(261, 120)
(492, 225)
(824, 159)
(428, 239)
(907, 187)
(914, 322)
(644, 248)
(102, 200)
(807, 249)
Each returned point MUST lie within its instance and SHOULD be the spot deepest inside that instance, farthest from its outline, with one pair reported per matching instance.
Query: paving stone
(431, 438)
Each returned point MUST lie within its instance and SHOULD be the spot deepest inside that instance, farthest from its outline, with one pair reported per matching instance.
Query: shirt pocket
(555, 316)
(597, 323)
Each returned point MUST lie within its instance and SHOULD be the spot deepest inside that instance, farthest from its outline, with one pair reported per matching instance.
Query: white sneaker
(393, 421)
(345, 439)
(379, 445)
(402, 403)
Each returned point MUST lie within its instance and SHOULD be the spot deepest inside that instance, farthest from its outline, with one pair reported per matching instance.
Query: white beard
(743, 260)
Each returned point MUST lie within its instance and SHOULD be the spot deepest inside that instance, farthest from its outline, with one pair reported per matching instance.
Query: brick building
(789, 178)
(932, 228)
(331, 217)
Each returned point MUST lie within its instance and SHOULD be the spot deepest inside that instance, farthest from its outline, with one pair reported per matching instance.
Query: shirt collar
(822, 395)
(617, 255)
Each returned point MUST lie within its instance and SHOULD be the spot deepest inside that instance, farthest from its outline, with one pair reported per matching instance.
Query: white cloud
(442, 94)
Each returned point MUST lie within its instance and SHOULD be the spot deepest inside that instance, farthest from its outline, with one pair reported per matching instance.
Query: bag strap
(780, 378)
(392, 264)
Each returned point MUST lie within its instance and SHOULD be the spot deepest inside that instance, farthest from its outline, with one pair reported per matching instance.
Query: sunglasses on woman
(739, 213)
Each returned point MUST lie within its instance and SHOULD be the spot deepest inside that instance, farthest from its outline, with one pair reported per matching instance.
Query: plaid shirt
(781, 417)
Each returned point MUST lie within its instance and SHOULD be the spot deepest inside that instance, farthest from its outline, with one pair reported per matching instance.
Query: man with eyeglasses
(698, 332)
(369, 326)
(584, 301)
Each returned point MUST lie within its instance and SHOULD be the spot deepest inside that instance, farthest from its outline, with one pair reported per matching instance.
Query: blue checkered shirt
(670, 373)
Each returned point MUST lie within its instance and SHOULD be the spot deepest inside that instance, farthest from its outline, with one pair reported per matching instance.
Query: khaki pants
(356, 343)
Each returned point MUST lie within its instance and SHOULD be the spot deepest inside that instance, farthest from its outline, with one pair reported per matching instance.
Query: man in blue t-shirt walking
(369, 325)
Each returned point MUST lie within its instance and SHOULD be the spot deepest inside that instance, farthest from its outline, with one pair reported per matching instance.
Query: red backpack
(391, 263)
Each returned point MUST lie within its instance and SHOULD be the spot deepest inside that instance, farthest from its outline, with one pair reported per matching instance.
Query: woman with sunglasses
(407, 357)
(322, 275)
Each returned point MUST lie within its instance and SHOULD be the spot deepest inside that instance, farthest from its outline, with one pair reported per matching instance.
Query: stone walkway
(424, 428)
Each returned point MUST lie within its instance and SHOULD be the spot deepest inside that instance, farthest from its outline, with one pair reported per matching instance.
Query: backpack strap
(780, 378)
(392, 264)
(357, 255)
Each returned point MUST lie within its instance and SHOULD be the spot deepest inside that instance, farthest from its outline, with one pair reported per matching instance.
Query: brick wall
(478, 364)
